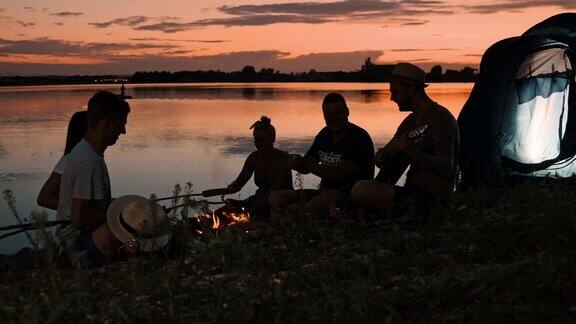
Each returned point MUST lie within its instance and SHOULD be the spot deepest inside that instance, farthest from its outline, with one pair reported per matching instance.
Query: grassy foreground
(499, 255)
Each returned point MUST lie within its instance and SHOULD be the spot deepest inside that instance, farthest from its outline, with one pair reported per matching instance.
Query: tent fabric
(528, 89)
(547, 61)
(538, 110)
(520, 117)
(537, 129)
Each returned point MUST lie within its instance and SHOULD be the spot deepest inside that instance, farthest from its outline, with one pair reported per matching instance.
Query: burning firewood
(214, 222)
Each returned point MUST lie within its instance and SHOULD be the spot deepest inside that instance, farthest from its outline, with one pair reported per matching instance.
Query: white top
(85, 177)
(59, 168)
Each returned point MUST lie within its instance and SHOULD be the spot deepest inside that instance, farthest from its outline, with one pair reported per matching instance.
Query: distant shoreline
(369, 73)
(5, 85)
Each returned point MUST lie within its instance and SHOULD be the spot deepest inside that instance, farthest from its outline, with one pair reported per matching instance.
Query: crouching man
(342, 153)
(427, 141)
(85, 194)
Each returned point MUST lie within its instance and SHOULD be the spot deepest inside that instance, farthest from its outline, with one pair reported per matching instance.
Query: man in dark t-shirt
(342, 154)
(427, 141)
(354, 147)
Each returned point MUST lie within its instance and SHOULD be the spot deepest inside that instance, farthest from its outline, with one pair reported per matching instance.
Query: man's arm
(86, 214)
(441, 163)
(385, 154)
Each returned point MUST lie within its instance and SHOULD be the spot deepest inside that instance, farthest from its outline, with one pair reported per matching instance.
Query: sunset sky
(120, 37)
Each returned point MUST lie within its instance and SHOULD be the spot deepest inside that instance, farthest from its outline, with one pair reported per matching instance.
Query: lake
(178, 133)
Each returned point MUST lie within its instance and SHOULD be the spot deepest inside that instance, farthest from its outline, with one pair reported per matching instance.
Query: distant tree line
(369, 72)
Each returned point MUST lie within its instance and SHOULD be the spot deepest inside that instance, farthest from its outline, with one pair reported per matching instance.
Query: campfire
(216, 223)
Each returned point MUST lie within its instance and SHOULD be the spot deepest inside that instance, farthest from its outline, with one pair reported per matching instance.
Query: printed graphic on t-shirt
(329, 158)
(417, 133)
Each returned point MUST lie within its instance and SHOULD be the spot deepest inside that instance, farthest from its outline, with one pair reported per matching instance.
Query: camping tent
(520, 118)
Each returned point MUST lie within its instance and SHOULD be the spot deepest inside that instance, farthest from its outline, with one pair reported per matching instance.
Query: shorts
(84, 244)
(414, 205)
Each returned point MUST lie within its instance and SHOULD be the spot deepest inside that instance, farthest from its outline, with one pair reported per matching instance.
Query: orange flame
(216, 222)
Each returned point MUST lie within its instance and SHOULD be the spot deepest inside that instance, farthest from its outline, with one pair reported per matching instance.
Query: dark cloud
(153, 39)
(260, 20)
(415, 23)
(66, 14)
(48, 46)
(29, 9)
(25, 24)
(336, 8)
(473, 55)
(249, 20)
(177, 52)
(519, 5)
(59, 24)
(126, 21)
(346, 10)
(167, 27)
(421, 49)
(292, 13)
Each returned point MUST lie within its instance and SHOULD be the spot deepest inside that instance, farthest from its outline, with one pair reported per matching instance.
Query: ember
(216, 222)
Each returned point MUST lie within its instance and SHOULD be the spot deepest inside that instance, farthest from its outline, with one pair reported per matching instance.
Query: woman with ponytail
(269, 167)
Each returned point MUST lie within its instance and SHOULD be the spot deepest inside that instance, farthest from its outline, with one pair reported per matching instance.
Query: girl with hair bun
(269, 167)
(50, 192)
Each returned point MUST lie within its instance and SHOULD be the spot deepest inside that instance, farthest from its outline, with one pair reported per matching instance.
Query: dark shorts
(414, 205)
(85, 244)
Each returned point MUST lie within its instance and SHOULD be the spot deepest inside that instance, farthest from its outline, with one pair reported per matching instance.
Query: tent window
(538, 108)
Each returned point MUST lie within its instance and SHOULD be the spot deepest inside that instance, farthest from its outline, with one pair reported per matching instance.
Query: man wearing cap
(427, 141)
(85, 185)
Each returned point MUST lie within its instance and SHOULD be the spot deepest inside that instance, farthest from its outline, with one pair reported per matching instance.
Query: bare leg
(280, 200)
(322, 202)
(373, 194)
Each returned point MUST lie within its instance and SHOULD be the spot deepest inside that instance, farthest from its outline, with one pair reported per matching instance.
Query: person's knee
(274, 199)
(279, 199)
(360, 192)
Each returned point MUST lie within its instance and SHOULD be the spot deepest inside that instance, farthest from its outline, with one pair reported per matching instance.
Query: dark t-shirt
(356, 147)
(437, 123)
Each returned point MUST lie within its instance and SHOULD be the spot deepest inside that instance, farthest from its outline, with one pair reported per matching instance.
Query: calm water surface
(180, 132)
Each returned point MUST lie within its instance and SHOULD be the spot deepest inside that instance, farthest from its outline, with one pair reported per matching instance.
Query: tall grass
(498, 255)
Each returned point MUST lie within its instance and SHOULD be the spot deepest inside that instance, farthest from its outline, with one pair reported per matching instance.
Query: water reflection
(179, 133)
(23, 176)
(252, 93)
(245, 145)
(3, 152)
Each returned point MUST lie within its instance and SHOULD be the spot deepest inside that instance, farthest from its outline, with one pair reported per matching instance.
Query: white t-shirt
(59, 168)
(85, 177)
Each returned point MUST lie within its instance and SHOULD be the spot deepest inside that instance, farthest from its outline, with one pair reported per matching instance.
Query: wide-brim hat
(409, 73)
(135, 218)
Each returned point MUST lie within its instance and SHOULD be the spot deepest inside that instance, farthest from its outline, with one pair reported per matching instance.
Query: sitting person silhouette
(427, 141)
(342, 154)
(269, 167)
(48, 196)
